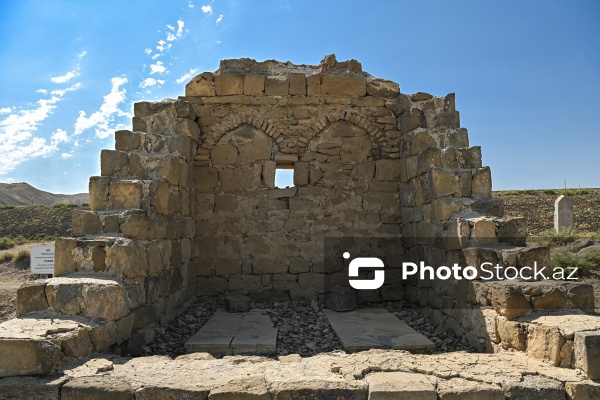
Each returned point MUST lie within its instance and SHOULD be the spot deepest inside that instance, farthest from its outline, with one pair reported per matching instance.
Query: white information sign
(42, 259)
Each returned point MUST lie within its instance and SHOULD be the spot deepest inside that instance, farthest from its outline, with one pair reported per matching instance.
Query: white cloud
(82, 54)
(151, 82)
(186, 76)
(206, 9)
(157, 68)
(190, 4)
(174, 36)
(219, 19)
(43, 91)
(148, 51)
(60, 136)
(65, 78)
(64, 156)
(157, 55)
(17, 143)
(5, 110)
(104, 117)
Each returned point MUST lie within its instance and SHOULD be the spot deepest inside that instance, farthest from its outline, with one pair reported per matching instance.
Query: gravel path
(303, 328)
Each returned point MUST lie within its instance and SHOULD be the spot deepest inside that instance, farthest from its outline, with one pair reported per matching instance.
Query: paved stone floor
(235, 333)
(375, 328)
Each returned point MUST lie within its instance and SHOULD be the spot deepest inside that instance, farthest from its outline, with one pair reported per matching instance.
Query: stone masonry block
(28, 357)
(228, 84)
(254, 84)
(301, 171)
(199, 86)
(587, 353)
(277, 85)
(387, 170)
(297, 85)
(482, 183)
(64, 264)
(31, 296)
(125, 194)
(206, 177)
(127, 140)
(98, 188)
(347, 84)
(113, 162)
(84, 222)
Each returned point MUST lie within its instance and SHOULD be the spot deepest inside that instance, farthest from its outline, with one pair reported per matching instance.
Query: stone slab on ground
(239, 333)
(375, 328)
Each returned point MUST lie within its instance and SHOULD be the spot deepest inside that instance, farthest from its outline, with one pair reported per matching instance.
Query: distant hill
(23, 194)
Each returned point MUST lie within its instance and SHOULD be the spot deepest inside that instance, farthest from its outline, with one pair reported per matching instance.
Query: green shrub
(529, 191)
(22, 256)
(574, 192)
(566, 259)
(65, 205)
(550, 191)
(552, 238)
(43, 237)
(6, 257)
(7, 207)
(7, 242)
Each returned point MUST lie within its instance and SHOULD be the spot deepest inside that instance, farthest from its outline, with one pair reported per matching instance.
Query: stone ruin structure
(186, 206)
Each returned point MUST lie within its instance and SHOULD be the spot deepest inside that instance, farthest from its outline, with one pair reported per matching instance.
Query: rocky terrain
(23, 194)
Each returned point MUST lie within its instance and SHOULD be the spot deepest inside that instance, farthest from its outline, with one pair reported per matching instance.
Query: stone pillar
(564, 218)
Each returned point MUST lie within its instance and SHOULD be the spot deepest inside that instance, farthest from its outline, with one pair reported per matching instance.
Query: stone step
(374, 374)
(97, 297)
(375, 328)
(117, 256)
(134, 224)
(567, 338)
(35, 344)
(513, 299)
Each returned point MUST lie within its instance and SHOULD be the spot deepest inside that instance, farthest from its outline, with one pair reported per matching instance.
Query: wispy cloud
(190, 4)
(151, 82)
(157, 68)
(64, 78)
(17, 140)
(5, 110)
(173, 33)
(82, 54)
(64, 156)
(219, 19)
(42, 91)
(186, 76)
(206, 9)
(105, 116)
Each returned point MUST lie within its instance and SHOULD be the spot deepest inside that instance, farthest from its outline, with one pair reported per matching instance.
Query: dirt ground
(12, 275)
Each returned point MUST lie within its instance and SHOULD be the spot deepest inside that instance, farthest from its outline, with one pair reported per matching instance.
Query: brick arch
(377, 136)
(233, 122)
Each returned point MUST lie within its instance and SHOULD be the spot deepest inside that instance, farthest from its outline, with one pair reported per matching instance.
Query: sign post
(42, 259)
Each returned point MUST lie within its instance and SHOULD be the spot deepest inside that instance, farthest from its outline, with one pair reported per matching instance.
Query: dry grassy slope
(537, 206)
(31, 221)
(23, 194)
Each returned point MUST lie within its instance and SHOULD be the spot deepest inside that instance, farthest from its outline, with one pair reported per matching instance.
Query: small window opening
(284, 176)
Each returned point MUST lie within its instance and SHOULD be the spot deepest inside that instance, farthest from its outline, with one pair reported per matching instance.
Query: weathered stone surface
(383, 88)
(341, 298)
(277, 85)
(98, 387)
(125, 194)
(32, 388)
(532, 388)
(587, 353)
(27, 356)
(227, 84)
(564, 218)
(31, 296)
(401, 386)
(254, 84)
(462, 389)
(84, 222)
(237, 304)
(347, 84)
(199, 86)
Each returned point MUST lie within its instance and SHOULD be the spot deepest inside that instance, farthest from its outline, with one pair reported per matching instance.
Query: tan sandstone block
(254, 84)
(113, 162)
(199, 87)
(228, 84)
(206, 177)
(401, 386)
(277, 85)
(125, 194)
(313, 84)
(482, 183)
(28, 357)
(64, 264)
(298, 85)
(98, 188)
(350, 84)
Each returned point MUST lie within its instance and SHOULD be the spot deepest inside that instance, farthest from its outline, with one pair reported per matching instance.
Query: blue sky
(526, 73)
